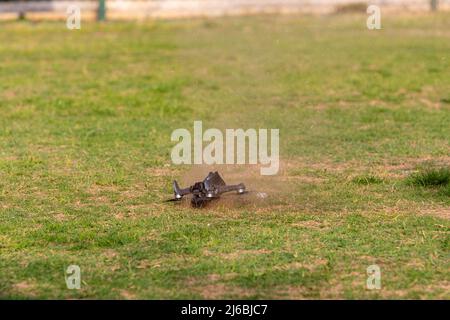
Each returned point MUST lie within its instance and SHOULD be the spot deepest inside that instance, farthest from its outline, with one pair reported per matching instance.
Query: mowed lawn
(85, 125)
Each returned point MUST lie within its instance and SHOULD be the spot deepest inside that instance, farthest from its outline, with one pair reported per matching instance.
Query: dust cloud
(262, 190)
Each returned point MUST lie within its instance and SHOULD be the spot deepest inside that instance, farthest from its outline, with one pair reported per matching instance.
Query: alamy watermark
(73, 17)
(231, 150)
(374, 277)
(374, 20)
(73, 277)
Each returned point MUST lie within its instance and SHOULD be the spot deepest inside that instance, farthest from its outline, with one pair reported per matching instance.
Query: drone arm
(240, 188)
(179, 193)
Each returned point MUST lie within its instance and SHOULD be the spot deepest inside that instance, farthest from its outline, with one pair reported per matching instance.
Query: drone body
(209, 189)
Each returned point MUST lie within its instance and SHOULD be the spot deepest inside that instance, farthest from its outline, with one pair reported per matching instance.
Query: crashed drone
(204, 191)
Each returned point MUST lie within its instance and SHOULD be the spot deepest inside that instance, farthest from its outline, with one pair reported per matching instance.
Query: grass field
(364, 119)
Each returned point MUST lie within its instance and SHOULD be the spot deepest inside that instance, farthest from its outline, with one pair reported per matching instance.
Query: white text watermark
(73, 277)
(374, 277)
(231, 150)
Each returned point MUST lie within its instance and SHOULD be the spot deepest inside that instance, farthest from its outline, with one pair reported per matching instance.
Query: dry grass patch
(442, 212)
(221, 290)
(213, 287)
(310, 266)
(237, 254)
(27, 288)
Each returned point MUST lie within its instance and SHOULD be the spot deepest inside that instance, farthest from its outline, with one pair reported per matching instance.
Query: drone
(211, 188)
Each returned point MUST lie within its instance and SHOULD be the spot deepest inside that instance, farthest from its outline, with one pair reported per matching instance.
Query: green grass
(367, 179)
(85, 157)
(431, 177)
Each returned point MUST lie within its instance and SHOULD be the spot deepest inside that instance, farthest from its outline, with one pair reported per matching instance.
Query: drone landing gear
(198, 202)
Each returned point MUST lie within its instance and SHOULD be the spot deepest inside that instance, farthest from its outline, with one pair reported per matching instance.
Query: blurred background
(143, 9)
